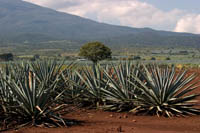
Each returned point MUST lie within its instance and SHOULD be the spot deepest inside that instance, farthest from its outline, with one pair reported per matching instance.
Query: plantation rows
(35, 93)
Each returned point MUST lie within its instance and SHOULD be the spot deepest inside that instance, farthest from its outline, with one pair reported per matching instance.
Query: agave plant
(3, 93)
(11, 71)
(93, 83)
(73, 86)
(47, 70)
(166, 92)
(121, 94)
(31, 101)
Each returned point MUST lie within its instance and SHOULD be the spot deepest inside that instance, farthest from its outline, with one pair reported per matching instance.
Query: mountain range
(25, 23)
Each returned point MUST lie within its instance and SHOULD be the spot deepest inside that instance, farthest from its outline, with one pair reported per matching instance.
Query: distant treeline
(6, 57)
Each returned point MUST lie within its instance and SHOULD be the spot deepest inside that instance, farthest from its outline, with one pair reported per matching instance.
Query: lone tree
(95, 51)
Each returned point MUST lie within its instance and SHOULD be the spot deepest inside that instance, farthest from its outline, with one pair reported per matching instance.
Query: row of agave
(149, 89)
(34, 93)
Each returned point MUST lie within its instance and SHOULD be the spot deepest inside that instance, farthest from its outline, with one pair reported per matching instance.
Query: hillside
(22, 22)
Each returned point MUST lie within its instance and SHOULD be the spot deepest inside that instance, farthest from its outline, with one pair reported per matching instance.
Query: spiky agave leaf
(167, 92)
(4, 89)
(66, 82)
(73, 86)
(47, 70)
(121, 93)
(8, 72)
(93, 84)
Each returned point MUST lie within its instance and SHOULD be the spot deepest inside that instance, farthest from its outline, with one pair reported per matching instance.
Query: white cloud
(189, 23)
(125, 12)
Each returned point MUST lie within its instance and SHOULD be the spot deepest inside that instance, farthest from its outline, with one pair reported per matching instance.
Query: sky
(169, 15)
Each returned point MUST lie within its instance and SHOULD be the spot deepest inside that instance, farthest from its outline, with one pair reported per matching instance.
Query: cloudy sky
(171, 15)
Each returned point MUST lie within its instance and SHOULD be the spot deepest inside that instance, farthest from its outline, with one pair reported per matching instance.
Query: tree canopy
(95, 51)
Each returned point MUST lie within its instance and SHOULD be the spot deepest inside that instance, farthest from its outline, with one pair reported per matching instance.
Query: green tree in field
(95, 51)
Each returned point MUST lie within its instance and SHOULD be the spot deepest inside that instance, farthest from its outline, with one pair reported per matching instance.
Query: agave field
(36, 93)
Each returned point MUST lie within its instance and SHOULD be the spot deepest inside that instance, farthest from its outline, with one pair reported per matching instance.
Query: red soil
(107, 122)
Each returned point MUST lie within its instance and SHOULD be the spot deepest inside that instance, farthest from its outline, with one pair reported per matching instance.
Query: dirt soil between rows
(97, 121)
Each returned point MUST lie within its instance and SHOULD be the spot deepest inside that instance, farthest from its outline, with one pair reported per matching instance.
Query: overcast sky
(171, 15)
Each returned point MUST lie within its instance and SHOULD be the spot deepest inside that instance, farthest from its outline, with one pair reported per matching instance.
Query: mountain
(23, 22)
